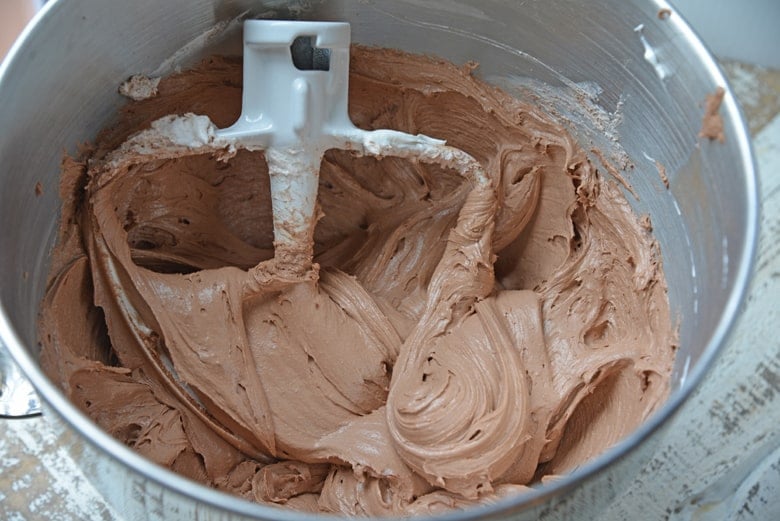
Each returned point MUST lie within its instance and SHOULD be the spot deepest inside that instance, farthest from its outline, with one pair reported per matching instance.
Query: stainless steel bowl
(612, 69)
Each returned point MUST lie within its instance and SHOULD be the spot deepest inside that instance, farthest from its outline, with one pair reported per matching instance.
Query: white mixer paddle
(294, 108)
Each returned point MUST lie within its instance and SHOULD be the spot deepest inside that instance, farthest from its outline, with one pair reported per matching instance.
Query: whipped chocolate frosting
(453, 344)
(712, 121)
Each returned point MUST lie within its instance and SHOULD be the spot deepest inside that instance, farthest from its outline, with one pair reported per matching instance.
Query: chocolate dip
(452, 345)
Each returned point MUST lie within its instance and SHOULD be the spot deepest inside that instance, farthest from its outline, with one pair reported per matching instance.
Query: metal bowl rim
(198, 492)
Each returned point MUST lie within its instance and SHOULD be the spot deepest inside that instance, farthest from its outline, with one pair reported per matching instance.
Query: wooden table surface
(720, 458)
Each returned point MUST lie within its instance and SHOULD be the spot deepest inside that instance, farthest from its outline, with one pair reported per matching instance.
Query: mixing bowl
(629, 79)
